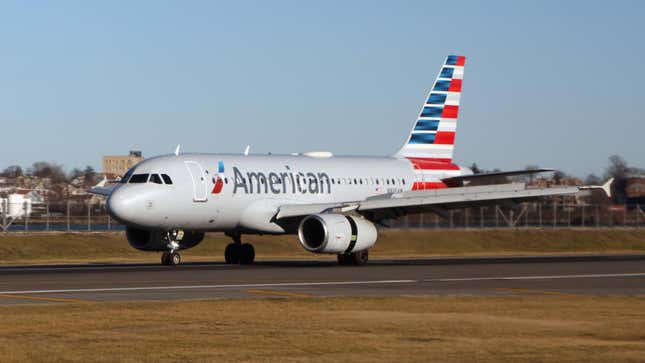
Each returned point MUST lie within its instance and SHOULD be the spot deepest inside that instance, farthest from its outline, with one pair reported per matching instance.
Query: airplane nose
(120, 206)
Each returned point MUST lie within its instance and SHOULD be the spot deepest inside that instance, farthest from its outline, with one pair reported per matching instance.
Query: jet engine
(336, 233)
(153, 240)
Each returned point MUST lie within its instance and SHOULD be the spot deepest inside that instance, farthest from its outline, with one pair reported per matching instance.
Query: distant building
(635, 184)
(115, 166)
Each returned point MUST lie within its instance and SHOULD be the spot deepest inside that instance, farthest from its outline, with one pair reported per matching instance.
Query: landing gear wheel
(164, 258)
(247, 254)
(232, 253)
(174, 259)
(359, 258)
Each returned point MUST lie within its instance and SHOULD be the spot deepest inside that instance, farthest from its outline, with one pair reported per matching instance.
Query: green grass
(17, 248)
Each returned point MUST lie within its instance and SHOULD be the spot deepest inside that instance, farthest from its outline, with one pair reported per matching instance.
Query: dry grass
(408, 329)
(19, 248)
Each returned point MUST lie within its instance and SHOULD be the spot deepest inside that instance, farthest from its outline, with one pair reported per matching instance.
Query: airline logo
(437, 121)
(218, 180)
(433, 134)
(281, 182)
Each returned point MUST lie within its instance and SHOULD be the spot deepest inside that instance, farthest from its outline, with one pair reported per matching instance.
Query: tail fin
(433, 135)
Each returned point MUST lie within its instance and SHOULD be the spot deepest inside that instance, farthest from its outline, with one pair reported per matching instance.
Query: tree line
(55, 172)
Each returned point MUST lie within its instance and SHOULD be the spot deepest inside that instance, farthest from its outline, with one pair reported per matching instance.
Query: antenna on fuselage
(246, 151)
(177, 149)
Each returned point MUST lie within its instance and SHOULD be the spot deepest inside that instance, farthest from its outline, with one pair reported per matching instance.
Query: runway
(547, 275)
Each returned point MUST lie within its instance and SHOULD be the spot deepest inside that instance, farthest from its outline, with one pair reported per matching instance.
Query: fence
(74, 216)
(59, 216)
(541, 215)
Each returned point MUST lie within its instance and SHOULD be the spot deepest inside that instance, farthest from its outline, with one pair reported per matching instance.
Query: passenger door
(200, 189)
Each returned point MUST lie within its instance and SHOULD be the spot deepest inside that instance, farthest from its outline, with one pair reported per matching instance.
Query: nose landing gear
(238, 252)
(172, 257)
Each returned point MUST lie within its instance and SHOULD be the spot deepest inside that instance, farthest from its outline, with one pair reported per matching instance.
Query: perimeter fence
(74, 216)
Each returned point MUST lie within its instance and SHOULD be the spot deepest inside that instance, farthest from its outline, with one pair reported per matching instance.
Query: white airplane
(332, 202)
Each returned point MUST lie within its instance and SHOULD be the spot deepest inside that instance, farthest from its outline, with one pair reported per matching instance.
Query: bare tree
(593, 179)
(75, 173)
(90, 176)
(618, 170)
(12, 171)
(44, 169)
(617, 167)
(559, 176)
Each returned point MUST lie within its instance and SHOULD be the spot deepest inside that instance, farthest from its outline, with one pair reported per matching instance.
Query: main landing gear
(359, 258)
(172, 257)
(238, 252)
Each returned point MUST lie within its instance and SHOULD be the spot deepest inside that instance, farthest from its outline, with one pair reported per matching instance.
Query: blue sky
(557, 84)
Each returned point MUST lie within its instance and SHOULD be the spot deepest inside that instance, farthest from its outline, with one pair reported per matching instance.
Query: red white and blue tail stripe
(433, 137)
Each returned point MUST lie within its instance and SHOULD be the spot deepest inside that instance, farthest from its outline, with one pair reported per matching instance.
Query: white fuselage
(252, 188)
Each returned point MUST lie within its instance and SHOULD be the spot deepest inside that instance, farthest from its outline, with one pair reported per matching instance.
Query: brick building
(114, 166)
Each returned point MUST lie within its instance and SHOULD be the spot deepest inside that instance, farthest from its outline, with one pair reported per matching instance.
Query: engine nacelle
(336, 233)
(147, 240)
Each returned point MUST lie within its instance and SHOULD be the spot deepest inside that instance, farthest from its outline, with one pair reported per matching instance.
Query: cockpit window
(166, 179)
(139, 178)
(155, 178)
(126, 176)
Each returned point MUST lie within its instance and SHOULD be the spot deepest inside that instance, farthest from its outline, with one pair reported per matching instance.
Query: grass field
(19, 248)
(401, 329)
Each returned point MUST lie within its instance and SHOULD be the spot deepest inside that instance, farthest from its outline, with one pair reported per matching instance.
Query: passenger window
(166, 179)
(155, 178)
(139, 178)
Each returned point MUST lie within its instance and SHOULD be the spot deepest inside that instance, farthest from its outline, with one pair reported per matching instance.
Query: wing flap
(463, 195)
(495, 174)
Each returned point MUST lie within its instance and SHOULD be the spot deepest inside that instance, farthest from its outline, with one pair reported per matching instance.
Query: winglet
(605, 187)
(102, 182)
(246, 151)
(177, 149)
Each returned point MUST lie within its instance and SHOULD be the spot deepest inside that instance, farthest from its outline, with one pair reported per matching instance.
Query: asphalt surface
(548, 275)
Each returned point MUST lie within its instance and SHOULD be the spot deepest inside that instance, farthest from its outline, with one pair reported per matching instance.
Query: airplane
(333, 203)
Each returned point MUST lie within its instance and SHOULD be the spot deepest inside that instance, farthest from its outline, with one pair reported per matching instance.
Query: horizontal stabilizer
(495, 174)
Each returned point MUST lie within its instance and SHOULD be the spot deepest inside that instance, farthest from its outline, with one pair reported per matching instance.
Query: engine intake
(336, 233)
(147, 240)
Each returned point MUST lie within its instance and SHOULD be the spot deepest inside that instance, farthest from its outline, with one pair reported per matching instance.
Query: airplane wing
(102, 190)
(392, 205)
